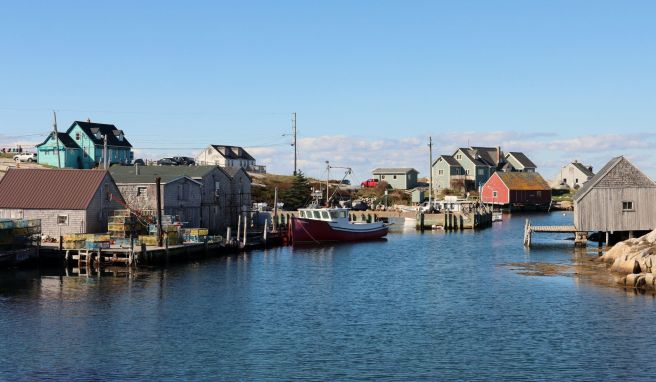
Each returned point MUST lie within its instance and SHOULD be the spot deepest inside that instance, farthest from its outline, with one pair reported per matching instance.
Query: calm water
(430, 306)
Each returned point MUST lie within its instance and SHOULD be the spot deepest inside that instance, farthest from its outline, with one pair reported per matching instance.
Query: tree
(298, 195)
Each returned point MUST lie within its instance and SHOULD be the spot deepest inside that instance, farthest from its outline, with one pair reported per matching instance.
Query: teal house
(81, 146)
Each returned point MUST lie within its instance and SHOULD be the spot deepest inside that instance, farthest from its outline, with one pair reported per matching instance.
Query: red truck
(369, 183)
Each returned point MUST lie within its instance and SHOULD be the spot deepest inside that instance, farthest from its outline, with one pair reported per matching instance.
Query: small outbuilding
(620, 198)
(397, 178)
(517, 190)
(66, 201)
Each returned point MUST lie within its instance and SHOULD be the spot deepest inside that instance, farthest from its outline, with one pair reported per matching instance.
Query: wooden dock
(580, 237)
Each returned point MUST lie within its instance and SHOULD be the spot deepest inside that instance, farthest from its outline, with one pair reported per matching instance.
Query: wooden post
(266, 228)
(607, 239)
(238, 227)
(275, 209)
(227, 239)
(245, 229)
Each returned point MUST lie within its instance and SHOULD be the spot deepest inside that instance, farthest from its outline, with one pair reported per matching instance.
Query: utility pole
(105, 162)
(54, 126)
(294, 144)
(430, 168)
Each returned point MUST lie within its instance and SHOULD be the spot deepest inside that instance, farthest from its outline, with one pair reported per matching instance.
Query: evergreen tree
(298, 195)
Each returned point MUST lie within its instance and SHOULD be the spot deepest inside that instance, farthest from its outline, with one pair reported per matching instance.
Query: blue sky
(370, 80)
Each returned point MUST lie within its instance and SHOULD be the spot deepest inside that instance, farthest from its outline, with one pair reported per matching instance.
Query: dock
(580, 237)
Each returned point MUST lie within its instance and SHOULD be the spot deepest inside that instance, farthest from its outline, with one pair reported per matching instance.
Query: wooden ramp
(580, 237)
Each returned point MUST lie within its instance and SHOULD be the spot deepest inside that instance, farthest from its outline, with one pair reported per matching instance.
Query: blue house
(82, 146)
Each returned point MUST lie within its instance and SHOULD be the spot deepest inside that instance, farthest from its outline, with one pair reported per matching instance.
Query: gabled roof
(526, 181)
(147, 174)
(583, 168)
(522, 159)
(232, 171)
(471, 155)
(112, 132)
(64, 138)
(63, 189)
(448, 159)
(394, 170)
(232, 152)
(486, 154)
(634, 178)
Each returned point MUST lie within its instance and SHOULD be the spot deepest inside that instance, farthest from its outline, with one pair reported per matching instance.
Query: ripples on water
(433, 306)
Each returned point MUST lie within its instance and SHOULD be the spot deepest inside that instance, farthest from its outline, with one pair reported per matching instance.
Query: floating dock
(580, 237)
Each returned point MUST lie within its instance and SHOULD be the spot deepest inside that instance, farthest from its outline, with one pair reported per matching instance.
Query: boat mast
(327, 184)
(56, 136)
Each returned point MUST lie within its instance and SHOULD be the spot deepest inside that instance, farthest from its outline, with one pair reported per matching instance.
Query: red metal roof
(49, 189)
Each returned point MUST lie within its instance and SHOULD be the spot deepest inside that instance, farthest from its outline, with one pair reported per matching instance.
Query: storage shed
(517, 190)
(66, 201)
(620, 198)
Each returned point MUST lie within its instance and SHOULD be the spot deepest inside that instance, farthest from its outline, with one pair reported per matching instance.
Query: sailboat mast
(54, 126)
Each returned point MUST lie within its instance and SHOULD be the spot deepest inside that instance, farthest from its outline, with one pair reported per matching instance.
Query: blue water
(432, 306)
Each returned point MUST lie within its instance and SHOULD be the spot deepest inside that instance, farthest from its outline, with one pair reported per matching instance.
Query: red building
(517, 190)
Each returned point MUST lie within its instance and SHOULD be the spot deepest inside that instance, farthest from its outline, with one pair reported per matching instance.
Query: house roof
(112, 132)
(448, 159)
(522, 159)
(232, 152)
(64, 138)
(583, 168)
(486, 154)
(147, 174)
(523, 180)
(394, 170)
(232, 171)
(471, 155)
(636, 179)
(63, 189)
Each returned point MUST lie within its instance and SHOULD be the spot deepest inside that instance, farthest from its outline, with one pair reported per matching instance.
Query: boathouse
(240, 201)
(216, 194)
(66, 201)
(517, 190)
(618, 199)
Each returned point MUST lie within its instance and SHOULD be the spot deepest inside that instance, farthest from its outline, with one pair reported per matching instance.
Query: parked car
(140, 162)
(25, 157)
(359, 205)
(167, 162)
(369, 183)
(184, 161)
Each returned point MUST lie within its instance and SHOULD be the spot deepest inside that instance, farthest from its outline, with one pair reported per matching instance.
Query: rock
(625, 266)
(649, 280)
(631, 280)
(650, 237)
(640, 281)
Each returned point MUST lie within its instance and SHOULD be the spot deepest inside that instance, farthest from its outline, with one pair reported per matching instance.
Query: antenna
(56, 136)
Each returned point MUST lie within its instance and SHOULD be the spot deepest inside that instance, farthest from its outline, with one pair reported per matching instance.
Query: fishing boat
(322, 225)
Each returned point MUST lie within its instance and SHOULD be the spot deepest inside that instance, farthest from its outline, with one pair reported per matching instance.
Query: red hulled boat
(321, 225)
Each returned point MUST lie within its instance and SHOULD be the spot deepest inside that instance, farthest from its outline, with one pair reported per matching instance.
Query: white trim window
(62, 219)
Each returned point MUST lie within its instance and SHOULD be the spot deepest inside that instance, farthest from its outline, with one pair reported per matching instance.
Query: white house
(574, 175)
(228, 156)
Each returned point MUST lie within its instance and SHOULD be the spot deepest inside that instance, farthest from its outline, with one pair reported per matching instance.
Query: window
(77, 136)
(467, 172)
(394, 176)
(142, 191)
(440, 172)
(324, 214)
(539, 193)
(481, 171)
(382, 177)
(333, 214)
(576, 181)
(317, 215)
(458, 156)
(62, 219)
(627, 206)
(342, 214)
(494, 194)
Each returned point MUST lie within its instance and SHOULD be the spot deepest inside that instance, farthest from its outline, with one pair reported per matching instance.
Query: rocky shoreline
(635, 260)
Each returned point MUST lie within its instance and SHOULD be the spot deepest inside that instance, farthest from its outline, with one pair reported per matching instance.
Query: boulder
(649, 280)
(650, 237)
(625, 266)
(640, 281)
(631, 280)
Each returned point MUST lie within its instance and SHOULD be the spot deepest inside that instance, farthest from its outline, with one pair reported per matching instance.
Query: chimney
(590, 168)
(88, 120)
(136, 169)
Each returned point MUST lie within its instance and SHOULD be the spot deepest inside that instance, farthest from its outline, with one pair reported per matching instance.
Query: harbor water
(417, 306)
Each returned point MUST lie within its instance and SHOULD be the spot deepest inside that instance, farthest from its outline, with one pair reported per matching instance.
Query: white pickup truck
(25, 157)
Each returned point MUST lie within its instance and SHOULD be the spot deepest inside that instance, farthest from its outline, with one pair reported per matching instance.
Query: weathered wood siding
(101, 207)
(601, 210)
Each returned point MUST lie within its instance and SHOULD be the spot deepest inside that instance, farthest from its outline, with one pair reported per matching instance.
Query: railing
(256, 168)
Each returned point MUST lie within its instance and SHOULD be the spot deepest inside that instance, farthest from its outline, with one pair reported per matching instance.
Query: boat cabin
(326, 214)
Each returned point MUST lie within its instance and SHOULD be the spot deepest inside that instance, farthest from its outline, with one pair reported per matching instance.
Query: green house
(82, 146)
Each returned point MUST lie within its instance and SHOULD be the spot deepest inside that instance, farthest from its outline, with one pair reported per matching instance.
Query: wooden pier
(454, 221)
(580, 237)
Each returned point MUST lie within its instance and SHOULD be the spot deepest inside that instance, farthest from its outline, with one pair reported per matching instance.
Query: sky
(370, 81)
